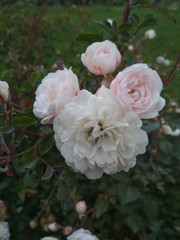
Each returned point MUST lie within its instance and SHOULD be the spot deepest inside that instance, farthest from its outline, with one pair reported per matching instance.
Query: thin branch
(166, 81)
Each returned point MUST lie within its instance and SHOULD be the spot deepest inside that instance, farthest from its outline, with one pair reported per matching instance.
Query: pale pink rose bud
(150, 34)
(53, 227)
(160, 59)
(168, 131)
(131, 48)
(33, 224)
(67, 230)
(101, 58)
(55, 91)
(138, 87)
(167, 62)
(4, 92)
(81, 208)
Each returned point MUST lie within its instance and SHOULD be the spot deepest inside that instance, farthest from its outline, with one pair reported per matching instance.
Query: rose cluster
(100, 133)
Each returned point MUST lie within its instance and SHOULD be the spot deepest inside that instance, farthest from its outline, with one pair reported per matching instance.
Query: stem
(126, 12)
(166, 81)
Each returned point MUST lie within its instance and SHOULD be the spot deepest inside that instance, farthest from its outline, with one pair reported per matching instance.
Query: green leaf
(48, 173)
(63, 194)
(21, 190)
(166, 147)
(46, 145)
(30, 181)
(155, 226)
(102, 208)
(89, 37)
(134, 19)
(124, 27)
(24, 121)
(135, 223)
(131, 195)
(149, 126)
(27, 161)
(149, 21)
(105, 25)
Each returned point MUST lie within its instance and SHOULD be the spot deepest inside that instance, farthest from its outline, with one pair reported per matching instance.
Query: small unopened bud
(4, 92)
(131, 48)
(53, 227)
(33, 224)
(67, 230)
(150, 34)
(160, 59)
(167, 62)
(81, 208)
(168, 131)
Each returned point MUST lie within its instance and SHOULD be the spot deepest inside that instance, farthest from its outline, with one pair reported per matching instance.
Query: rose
(49, 238)
(80, 207)
(4, 91)
(101, 58)
(139, 87)
(96, 134)
(55, 91)
(4, 230)
(82, 234)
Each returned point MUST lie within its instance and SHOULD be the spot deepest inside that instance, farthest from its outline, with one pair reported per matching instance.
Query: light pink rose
(82, 234)
(80, 207)
(139, 87)
(4, 91)
(101, 58)
(54, 92)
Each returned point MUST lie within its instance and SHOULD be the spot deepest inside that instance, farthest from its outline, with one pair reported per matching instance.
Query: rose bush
(101, 58)
(139, 88)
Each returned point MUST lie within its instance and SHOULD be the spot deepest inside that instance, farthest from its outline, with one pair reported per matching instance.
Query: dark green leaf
(131, 195)
(166, 147)
(63, 194)
(30, 181)
(48, 173)
(134, 19)
(102, 208)
(46, 145)
(24, 121)
(135, 223)
(27, 161)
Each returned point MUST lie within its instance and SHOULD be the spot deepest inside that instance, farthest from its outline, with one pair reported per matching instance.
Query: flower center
(93, 133)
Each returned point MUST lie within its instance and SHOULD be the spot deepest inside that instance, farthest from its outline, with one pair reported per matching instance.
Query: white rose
(49, 238)
(4, 91)
(4, 231)
(82, 234)
(101, 58)
(150, 34)
(97, 135)
(55, 91)
(139, 88)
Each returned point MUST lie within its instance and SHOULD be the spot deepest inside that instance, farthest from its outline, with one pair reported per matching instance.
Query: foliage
(142, 204)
